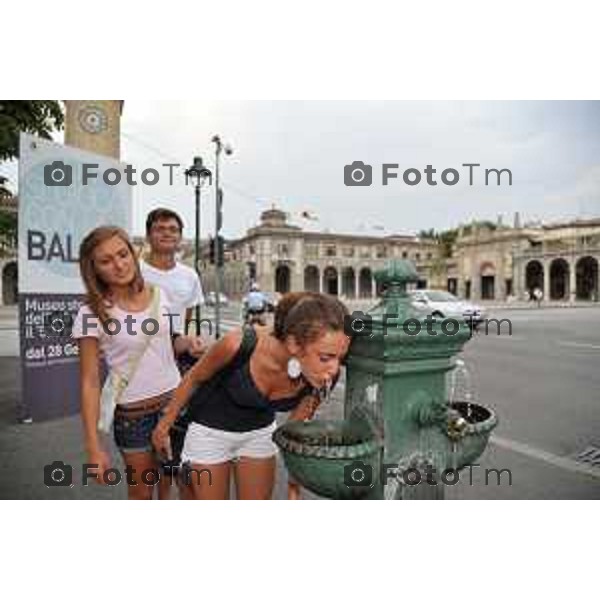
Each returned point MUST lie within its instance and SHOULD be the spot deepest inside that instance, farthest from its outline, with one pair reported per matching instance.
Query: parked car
(211, 299)
(446, 305)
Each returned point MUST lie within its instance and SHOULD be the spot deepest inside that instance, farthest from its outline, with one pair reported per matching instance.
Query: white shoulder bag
(116, 383)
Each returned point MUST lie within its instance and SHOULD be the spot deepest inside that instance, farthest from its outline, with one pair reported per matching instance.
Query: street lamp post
(219, 147)
(198, 173)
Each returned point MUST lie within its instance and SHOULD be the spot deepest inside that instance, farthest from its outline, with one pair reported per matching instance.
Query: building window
(252, 249)
(365, 252)
(381, 252)
(509, 287)
(348, 251)
(330, 251)
(404, 254)
(429, 255)
(417, 256)
(312, 251)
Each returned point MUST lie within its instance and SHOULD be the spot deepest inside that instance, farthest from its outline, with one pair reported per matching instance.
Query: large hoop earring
(294, 369)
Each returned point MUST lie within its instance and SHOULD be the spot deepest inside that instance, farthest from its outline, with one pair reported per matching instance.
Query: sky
(292, 154)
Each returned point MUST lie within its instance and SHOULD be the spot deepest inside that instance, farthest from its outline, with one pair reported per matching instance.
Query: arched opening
(365, 278)
(586, 276)
(311, 278)
(534, 276)
(330, 281)
(282, 279)
(348, 282)
(9, 284)
(488, 281)
(559, 279)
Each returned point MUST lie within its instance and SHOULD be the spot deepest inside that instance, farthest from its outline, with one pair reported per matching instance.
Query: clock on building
(92, 118)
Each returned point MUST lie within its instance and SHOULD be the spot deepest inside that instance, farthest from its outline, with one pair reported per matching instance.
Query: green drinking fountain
(399, 438)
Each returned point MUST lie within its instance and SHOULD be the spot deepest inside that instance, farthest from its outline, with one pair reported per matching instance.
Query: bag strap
(135, 359)
(244, 351)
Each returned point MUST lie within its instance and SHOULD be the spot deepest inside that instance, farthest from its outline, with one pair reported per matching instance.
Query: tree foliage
(448, 238)
(39, 117)
(5, 192)
(427, 234)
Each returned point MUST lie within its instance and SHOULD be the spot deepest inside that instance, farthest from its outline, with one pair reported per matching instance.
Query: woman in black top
(248, 375)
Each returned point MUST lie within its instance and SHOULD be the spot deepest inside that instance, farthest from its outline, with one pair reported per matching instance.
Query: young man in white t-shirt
(181, 283)
(183, 289)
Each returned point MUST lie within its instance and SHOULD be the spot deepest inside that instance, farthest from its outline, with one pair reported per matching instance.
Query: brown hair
(97, 290)
(162, 214)
(306, 314)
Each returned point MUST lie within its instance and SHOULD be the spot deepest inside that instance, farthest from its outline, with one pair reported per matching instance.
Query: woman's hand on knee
(161, 439)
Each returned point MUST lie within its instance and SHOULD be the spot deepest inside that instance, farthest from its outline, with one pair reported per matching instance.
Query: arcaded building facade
(486, 263)
(282, 257)
(560, 259)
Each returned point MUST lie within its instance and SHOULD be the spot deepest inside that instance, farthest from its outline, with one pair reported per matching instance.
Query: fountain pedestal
(396, 390)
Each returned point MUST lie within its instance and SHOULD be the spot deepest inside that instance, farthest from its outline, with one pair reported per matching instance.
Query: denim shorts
(133, 434)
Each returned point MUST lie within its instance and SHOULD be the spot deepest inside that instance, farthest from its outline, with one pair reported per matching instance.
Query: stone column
(500, 286)
(518, 281)
(475, 286)
(296, 278)
(297, 267)
(356, 285)
(546, 280)
(572, 282)
(373, 287)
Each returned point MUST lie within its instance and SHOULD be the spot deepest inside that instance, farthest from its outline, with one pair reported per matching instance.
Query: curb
(542, 307)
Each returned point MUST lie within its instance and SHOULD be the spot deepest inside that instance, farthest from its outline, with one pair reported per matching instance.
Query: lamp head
(198, 171)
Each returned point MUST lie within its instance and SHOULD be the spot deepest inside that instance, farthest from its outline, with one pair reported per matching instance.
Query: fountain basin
(465, 448)
(319, 456)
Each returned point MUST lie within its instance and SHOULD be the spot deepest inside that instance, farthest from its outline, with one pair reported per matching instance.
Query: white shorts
(207, 446)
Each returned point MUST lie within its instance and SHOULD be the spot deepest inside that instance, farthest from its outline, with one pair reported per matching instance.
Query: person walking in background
(142, 372)
(255, 306)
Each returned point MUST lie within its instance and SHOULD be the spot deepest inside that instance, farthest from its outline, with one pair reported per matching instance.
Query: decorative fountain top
(394, 279)
(398, 329)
